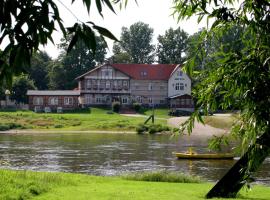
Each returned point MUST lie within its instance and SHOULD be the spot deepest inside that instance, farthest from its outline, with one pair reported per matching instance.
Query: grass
(162, 176)
(223, 122)
(94, 119)
(23, 185)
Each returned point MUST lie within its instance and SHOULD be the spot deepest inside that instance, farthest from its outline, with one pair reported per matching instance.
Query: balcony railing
(106, 90)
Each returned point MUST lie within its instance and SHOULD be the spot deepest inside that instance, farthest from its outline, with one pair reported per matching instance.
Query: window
(114, 84)
(139, 99)
(68, 100)
(106, 73)
(87, 98)
(150, 86)
(98, 100)
(136, 86)
(143, 73)
(161, 101)
(182, 102)
(124, 100)
(53, 101)
(88, 84)
(150, 100)
(108, 84)
(181, 86)
(161, 87)
(125, 85)
(179, 73)
(177, 85)
(38, 100)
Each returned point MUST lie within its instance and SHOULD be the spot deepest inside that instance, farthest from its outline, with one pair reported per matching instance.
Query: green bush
(4, 127)
(137, 107)
(141, 128)
(116, 106)
(12, 125)
(162, 176)
(151, 128)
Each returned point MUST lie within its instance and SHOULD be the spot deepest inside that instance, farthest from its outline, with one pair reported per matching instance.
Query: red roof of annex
(146, 71)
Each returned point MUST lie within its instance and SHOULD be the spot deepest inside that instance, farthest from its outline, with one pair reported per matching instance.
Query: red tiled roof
(146, 71)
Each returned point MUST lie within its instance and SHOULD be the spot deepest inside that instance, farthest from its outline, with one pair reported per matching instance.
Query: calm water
(110, 154)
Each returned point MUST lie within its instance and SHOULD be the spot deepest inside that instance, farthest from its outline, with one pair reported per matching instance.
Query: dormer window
(143, 73)
(179, 73)
(106, 73)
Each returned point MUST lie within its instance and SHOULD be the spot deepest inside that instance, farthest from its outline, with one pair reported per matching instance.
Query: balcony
(96, 90)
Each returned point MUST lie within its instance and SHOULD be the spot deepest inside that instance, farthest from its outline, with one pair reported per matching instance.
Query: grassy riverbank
(94, 119)
(43, 185)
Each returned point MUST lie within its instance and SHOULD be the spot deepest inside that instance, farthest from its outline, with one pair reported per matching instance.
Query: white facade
(179, 83)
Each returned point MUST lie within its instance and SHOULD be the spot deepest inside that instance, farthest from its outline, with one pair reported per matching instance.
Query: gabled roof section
(146, 71)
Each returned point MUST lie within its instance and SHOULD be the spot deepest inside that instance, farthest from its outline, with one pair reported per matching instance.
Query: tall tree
(21, 84)
(172, 46)
(25, 25)
(78, 61)
(238, 75)
(38, 71)
(136, 41)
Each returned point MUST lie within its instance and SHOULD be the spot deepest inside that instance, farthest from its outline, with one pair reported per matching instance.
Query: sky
(156, 13)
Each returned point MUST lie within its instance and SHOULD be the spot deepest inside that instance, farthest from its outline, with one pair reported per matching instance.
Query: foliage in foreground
(24, 185)
(237, 78)
(162, 176)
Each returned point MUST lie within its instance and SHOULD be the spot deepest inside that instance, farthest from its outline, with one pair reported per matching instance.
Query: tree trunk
(235, 178)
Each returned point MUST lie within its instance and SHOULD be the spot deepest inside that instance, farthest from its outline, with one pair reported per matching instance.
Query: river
(111, 154)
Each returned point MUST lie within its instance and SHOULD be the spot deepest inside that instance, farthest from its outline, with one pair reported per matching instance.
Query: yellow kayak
(204, 155)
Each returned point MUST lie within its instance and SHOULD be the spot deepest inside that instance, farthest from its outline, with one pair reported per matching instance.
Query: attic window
(143, 73)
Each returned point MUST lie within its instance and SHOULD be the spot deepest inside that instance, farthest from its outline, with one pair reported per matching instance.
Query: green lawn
(94, 119)
(46, 186)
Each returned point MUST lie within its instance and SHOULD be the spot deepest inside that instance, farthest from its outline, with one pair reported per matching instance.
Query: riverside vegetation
(97, 119)
(25, 185)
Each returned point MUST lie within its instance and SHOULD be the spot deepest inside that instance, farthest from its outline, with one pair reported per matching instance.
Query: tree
(25, 25)
(120, 56)
(78, 61)
(172, 46)
(56, 75)
(20, 86)
(135, 42)
(238, 75)
(38, 71)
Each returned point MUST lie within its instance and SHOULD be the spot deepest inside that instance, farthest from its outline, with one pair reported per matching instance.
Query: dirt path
(199, 129)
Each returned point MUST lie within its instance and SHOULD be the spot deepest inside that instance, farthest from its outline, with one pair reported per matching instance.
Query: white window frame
(68, 101)
(124, 100)
(38, 101)
(88, 84)
(87, 98)
(98, 100)
(177, 86)
(107, 85)
(150, 100)
(106, 73)
(181, 86)
(53, 101)
(150, 86)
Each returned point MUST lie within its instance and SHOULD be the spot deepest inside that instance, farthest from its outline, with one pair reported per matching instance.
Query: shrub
(137, 107)
(4, 127)
(141, 128)
(162, 176)
(116, 106)
(58, 126)
(12, 125)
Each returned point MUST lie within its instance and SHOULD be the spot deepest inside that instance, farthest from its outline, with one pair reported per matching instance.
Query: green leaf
(105, 32)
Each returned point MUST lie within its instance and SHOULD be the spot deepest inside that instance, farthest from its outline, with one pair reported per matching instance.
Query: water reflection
(110, 154)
